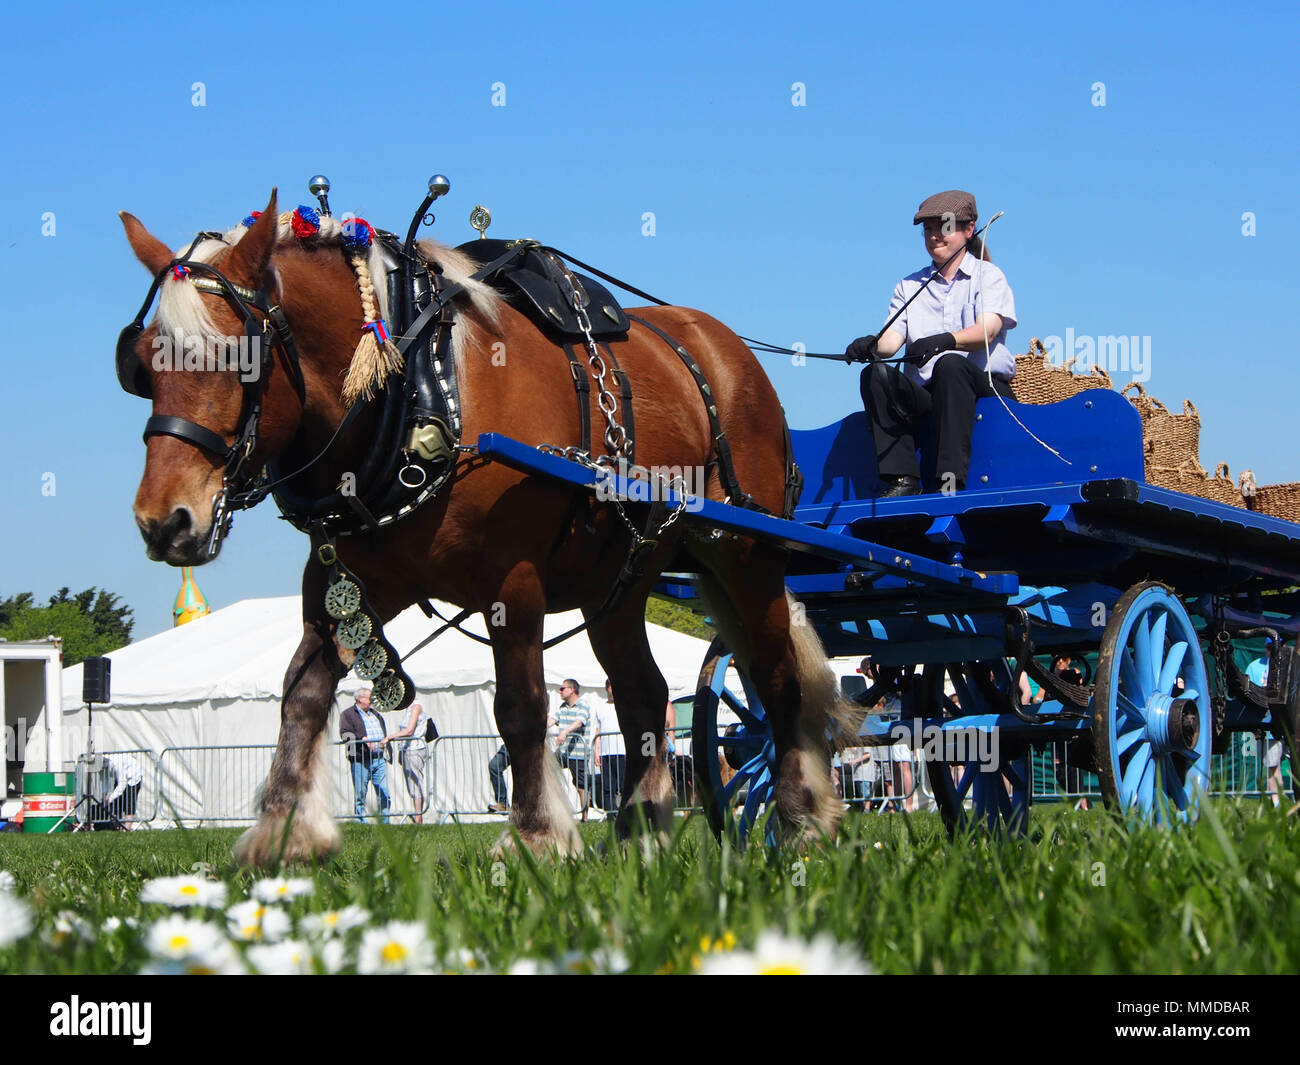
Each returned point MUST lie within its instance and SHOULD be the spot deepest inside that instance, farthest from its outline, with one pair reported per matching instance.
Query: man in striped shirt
(573, 719)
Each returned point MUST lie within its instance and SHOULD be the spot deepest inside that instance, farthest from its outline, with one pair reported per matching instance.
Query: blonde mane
(182, 311)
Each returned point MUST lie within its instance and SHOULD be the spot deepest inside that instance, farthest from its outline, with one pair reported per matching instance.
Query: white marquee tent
(216, 683)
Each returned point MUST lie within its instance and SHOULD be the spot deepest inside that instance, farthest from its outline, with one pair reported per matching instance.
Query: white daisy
(333, 955)
(397, 947)
(289, 958)
(179, 939)
(779, 955)
(112, 924)
(278, 889)
(68, 925)
(335, 922)
(252, 922)
(8, 885)
(181, 891)
(15, 919)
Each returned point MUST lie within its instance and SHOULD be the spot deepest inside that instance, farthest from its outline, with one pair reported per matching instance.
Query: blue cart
(1059, 546)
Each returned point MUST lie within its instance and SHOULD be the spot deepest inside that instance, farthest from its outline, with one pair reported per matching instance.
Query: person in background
(572, 721)
(412, 751)
(497, 767)
(610, 751)
(121, 801)
(363, 730)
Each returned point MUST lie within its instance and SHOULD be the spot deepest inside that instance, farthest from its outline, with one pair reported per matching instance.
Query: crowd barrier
(450, 778)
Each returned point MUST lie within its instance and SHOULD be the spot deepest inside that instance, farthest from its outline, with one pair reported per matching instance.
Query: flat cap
(955, 202)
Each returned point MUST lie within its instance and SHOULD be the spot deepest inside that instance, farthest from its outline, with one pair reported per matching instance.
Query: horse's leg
(780, 651)
(295, 791)
(640, 699)
(539, 810)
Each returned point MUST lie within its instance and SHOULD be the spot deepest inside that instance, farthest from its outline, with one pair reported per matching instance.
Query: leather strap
(191, 432)
(582, 386)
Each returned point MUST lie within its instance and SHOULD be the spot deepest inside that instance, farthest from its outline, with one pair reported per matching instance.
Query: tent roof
(242, 651)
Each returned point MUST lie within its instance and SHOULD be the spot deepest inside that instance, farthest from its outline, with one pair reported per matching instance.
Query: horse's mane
(183, 313)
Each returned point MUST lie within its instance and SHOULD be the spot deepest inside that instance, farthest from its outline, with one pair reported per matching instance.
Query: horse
(492, 540)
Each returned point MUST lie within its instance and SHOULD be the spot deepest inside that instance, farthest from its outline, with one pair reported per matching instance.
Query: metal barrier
(197, 785)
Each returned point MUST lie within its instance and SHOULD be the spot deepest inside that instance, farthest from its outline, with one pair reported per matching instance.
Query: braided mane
(183, 312)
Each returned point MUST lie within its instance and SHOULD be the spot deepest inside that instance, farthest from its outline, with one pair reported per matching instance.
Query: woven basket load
(1170, 439)
(1039, 382)
(1194, 481)
(1275, 500)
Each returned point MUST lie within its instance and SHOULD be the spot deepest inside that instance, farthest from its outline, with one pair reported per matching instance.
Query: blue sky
(790, 223)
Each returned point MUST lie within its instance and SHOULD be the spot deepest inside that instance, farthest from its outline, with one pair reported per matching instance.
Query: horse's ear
(148, 249)
(247, 259)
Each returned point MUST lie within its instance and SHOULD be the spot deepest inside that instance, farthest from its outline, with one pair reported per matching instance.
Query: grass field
(1079, 895)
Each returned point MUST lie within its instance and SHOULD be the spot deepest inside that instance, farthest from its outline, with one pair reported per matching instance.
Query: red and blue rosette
(250, 219)
(357, 234)
(305, 222)
(180, 272)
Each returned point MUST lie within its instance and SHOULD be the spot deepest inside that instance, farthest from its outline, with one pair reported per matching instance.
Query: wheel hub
(1172, 724)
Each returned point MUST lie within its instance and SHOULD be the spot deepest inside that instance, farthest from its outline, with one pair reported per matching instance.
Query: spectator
(610, 752)
(411, 756)
(1257, 674)
(573, 721)
(497, 774)
(363, 730)
(891, 765)
(121, 801)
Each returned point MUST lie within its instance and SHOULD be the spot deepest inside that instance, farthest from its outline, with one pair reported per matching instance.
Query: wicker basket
(1170, 439)
(1278, 500)
(1039, 382)
(1193, 480)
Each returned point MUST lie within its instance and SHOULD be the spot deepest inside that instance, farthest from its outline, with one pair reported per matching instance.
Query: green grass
(1079, 894)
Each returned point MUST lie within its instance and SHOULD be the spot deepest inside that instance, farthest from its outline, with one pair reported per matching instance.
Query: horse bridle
(260, 316)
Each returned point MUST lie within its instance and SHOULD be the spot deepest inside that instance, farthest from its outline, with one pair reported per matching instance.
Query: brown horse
(493, 540)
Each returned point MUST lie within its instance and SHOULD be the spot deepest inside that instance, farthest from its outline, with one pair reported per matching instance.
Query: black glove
(926, 348)
(861, 350)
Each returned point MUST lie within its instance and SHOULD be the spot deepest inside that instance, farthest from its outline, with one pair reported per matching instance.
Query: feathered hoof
(562, 842)
(265, 844)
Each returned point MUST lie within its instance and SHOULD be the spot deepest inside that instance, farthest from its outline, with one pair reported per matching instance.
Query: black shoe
(906, 485)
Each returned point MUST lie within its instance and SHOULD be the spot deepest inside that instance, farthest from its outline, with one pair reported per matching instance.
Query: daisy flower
(333, 955)
(68, 925)
(397, 947)
(184, 946)
(335, 922)
(15, 919)
(8, 885)
(252, 922)
(289, 958)
(778, 955)
(279, 889)
(181, 891)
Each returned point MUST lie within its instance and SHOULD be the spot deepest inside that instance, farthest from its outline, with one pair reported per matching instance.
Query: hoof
(567, 844)
(265, 844)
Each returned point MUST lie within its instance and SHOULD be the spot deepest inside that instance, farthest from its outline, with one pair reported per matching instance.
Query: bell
(319, 186)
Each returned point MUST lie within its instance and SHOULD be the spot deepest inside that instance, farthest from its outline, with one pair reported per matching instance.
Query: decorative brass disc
(370, 661)
(343, 599)
(355, 631)
(387, 692)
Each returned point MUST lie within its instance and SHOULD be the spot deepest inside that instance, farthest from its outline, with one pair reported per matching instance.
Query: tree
(672, 615)
(92, 622)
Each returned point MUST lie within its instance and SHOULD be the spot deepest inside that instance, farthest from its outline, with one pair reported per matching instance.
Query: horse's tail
(826, 718)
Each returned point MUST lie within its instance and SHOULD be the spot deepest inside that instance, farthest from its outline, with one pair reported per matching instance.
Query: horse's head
(222, 404)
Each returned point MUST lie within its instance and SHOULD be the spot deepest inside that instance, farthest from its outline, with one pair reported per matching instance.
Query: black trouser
(894, 403)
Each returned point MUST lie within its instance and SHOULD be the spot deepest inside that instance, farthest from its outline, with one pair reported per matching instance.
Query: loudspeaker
(94, 680)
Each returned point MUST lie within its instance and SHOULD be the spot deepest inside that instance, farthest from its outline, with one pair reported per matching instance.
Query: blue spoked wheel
(981, 769)
(735, 764)
(1151, 715)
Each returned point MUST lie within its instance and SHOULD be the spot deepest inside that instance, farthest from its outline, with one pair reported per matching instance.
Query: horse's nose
(161, 537)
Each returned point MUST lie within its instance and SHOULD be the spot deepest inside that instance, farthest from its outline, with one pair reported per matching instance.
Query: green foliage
(672, 615)
(92, 622)
(1080, 894)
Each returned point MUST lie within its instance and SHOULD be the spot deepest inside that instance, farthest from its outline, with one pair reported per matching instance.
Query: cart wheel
(1151, 734)
(747, 749)
(998, 784)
